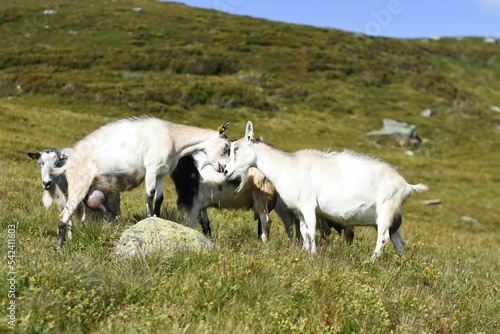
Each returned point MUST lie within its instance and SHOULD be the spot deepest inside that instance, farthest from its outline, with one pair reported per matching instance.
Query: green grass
(301, 87)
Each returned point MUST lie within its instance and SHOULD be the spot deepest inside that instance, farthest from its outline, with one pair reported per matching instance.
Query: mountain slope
(237, 61)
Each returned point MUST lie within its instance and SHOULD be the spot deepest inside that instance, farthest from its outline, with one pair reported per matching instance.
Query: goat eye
(236, 149)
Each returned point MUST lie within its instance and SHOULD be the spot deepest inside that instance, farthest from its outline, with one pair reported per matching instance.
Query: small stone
(428, 113)
(495, 109)
(409, 153)
(49, 12)
(435, 201)
(468, 219)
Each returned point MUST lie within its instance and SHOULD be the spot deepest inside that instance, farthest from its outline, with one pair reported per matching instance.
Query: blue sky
(392, 18)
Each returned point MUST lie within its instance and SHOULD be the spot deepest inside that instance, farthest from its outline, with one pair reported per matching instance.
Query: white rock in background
(468, 219)
(435, 201)
(428, 113)
(407, 133)
(495, 109)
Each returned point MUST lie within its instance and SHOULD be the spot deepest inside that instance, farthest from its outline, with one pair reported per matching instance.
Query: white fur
(122, 154)
(348, 188)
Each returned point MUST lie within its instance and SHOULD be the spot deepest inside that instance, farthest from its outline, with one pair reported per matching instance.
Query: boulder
(159, 235)
(403, 131)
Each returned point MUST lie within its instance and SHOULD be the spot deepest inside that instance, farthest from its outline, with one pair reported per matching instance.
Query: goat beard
(47, 197)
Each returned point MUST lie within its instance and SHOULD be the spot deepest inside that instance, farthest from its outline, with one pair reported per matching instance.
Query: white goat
(121, 155)
(56, 188)
(347, 188)
(199, 188)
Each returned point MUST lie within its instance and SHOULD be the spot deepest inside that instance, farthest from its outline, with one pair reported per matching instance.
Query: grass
(301, 87)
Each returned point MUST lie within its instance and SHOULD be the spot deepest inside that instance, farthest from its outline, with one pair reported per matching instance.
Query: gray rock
(435, 201)
(159, 235)
(409, 153)
(468, 219)
(399, 130)
(428, 113)
(495, 109)
(49, 12)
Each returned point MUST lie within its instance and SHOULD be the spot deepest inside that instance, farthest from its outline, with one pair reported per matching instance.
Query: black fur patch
(396, 223)
(186, 178)
(236, 182)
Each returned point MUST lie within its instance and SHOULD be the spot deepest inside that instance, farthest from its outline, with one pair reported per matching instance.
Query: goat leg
(204, 222)
(61, 235)
(158, 201)
(149, 203)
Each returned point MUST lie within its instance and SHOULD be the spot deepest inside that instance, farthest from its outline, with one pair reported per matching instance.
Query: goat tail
(419, 187)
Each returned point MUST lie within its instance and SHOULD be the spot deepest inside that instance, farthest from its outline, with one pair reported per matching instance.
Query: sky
(389, 18)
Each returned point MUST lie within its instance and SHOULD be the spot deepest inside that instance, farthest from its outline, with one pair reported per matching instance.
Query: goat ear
(249, 131)
(34, 156)
(223, 128)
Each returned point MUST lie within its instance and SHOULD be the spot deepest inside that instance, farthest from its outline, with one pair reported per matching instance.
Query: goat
(122, 154)
(56, 187)
(347, 188)
(199, 188)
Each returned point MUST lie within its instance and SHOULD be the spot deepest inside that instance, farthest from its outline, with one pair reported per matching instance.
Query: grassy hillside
(65, 74)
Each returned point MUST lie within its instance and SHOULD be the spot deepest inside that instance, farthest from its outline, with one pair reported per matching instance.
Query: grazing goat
(347, 188)
(121, 155)
(56, 187)
(199, 188)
